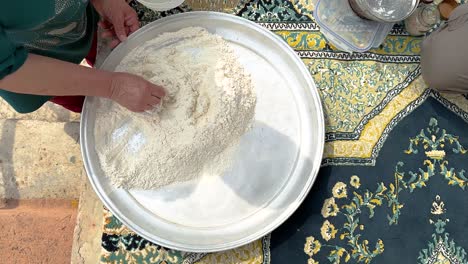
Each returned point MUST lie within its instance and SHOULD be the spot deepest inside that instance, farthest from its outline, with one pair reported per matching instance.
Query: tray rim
(316, 162)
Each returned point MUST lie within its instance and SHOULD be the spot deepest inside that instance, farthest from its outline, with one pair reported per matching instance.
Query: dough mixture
(210, 104)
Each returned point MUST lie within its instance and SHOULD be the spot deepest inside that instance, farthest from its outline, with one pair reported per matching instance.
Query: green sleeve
(11, 59)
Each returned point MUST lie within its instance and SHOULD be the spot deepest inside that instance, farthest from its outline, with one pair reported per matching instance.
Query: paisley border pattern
(370, 161)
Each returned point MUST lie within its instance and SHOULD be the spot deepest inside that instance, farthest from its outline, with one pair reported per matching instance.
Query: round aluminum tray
(274, 168)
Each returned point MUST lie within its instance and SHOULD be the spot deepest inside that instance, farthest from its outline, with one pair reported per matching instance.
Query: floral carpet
(393, 186)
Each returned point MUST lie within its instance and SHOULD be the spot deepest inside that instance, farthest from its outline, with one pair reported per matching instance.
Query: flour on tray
(210, 104)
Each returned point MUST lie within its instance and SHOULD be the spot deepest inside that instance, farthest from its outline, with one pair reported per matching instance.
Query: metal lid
(390, 10)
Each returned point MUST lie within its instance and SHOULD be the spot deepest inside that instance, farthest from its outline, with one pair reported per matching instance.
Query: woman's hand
(118, 20)
(135, 93)
(67, 79)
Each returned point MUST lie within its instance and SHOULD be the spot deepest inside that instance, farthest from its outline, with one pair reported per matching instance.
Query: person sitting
(41, 43)
(444, 54)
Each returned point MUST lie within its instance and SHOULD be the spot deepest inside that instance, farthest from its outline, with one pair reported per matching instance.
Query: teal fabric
(60, 29)
(24, 103)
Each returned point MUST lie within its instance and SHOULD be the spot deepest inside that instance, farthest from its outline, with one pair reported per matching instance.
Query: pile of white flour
(210, 104)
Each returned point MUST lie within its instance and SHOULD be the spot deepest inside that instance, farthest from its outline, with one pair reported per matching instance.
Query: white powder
(210, 103)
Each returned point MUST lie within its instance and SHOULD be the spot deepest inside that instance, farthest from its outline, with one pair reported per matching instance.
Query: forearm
(46, 76)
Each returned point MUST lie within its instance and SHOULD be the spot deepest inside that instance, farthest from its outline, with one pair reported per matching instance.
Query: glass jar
(422, 20)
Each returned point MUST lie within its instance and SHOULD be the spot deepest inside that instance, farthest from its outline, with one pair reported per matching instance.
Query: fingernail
(123, 38)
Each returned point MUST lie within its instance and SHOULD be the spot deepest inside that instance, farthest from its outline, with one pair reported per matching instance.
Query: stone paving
(41, 180)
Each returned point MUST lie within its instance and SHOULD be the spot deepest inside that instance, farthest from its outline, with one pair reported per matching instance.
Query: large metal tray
(274, 169)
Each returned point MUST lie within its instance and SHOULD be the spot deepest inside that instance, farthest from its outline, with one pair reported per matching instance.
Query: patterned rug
(393, 187)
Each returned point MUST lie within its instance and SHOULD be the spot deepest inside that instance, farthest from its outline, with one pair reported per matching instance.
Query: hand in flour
(119, 19)
(135, 93)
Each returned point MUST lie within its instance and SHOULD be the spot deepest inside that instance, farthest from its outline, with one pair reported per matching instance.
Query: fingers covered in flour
(134, 92)
(208, 109)
(157, 91)
(154, 101)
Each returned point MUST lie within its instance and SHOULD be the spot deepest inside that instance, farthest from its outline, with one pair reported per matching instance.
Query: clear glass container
(422, 20)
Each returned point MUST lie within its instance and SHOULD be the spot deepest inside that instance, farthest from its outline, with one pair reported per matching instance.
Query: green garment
(61, 29)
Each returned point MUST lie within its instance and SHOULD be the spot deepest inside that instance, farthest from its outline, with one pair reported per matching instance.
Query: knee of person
(426, 72)
(438, 81)
(435, 75)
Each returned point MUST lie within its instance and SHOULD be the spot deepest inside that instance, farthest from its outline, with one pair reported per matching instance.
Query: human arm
(46, 76)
